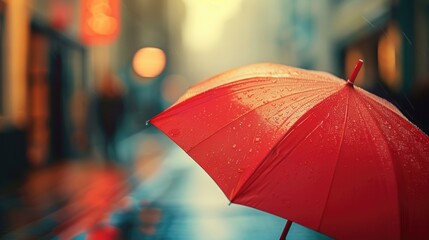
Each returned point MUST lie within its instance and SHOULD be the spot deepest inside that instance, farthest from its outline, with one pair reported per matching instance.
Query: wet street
(161, 194)
(193, 207)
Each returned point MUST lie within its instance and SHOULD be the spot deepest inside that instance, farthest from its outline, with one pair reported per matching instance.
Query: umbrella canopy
(309, 147)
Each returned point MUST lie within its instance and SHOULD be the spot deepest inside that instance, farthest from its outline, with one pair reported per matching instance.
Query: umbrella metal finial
(355, 72)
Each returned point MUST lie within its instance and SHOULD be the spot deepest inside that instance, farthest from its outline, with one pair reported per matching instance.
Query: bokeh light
(388, 57)
(149, 62)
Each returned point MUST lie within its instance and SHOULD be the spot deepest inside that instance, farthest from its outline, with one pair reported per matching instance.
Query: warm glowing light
(388, 59)
(100, 23)
(103, 26)
(149, 62)
(17, 38)
(205, 21)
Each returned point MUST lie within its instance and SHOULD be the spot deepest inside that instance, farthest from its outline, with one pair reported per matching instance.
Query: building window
(389, 57)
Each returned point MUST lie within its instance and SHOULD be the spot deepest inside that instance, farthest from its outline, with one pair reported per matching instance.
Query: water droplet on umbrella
(250, 150)
(249, 125)
(257, 139)
(240, 170)
(174, 132)
(233, 128)
(234, 146)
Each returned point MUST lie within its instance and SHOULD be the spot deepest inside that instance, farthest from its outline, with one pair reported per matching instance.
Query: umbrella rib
(300, 141)
(242, 183)
(382, 102)
(244, 114)
(338, 158)
(245, 182)
(185, 102)
(296, 110)
(267, 82)
(267, 78)
(371, 114)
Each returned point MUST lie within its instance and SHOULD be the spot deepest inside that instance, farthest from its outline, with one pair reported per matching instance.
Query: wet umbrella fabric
(309, 147)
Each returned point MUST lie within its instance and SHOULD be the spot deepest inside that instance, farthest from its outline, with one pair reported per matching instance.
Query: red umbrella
(309, 147)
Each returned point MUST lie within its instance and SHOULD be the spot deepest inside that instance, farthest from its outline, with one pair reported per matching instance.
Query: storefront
(44, 90)
(56, 85)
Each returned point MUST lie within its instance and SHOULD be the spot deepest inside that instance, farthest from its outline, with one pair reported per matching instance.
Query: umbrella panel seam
(238, 188)
(338, 155)
(394, 167)
(237, 82)
(250, 111)
(381, 102)
(300, 121)
(210, 91)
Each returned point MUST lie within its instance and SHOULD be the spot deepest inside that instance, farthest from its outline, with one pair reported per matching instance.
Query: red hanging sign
(100, 23)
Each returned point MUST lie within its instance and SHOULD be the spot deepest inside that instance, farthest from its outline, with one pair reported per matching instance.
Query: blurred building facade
(51, 73)
(42, 71)
(44, 85)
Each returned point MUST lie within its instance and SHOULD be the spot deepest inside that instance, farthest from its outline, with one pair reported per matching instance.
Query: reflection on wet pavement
(163, 195)
(181, 201)
(61, 200)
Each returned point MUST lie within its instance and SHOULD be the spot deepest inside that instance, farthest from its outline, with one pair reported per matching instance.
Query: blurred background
(80, 78)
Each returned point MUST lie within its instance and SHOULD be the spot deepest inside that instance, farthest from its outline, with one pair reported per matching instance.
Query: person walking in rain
(109, 105)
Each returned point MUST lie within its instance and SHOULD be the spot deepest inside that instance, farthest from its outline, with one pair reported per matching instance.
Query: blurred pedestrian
(109, 104)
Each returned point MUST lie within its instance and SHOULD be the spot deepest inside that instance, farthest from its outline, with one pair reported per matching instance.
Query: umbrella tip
(355, 72)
